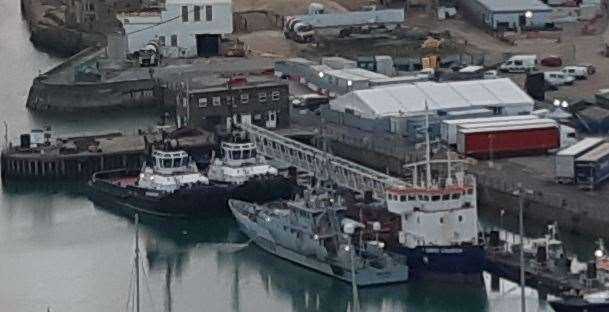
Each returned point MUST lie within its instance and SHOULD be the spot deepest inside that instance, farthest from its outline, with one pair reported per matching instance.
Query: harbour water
(58, 250)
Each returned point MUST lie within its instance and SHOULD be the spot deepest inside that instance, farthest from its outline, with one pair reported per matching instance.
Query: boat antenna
(137, 264)
(427, 147)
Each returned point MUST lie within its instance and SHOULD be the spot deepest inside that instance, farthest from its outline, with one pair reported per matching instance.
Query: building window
(197, 13)
(184, 13)
(202, 102)
(245, 98)
(162, 41)
(441, 220)
(208, 13)
(174, 40)
(262, 97)
(216, 101)
(460, 218)
(229, 100)
(275, 95)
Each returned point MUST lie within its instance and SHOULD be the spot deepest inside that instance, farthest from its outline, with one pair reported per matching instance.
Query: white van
(557, 78)
(577, 72)
(519, 63)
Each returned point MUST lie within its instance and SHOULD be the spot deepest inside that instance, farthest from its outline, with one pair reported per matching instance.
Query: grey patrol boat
(306, 231)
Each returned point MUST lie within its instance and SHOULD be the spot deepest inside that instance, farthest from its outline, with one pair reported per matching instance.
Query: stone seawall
(99, 96)
(56, 38)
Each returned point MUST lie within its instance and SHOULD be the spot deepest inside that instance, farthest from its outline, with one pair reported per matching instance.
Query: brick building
(260, 100)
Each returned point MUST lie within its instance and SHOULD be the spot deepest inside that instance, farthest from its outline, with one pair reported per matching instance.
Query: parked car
(552, 61)
(578, 72)
(557, 78)
(519, 63)
(591, 69)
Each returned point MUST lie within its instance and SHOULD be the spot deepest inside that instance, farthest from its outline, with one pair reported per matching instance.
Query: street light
(528, 14)
(556, 102)
(321, 74)
(520, 192)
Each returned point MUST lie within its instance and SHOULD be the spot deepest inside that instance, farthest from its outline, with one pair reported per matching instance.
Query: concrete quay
(130, 86)
(78, 156)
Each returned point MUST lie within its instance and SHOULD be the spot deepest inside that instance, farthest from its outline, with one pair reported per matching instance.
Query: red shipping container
(508, 141)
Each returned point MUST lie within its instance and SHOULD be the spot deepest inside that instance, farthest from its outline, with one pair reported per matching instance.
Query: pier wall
(58, 38)
(44, 96)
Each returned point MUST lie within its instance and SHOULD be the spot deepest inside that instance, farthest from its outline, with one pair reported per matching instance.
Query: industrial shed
(507, 14)
(502, 96)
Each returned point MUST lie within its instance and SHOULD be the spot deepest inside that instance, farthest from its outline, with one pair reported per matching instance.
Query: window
(216, 101)
(184, 13)
(197, 13)
(412, 197)
(446, 197)
(245, 98)
(441, 220)
(167, 163)
(518, 63)
(208, 13)
(403, 198)
(460, 218)
(229, 100)
(435, 197)
(162, 41)
(202, 102)
(126, 21)
(174, 40)
(275, 95)
(262, 97)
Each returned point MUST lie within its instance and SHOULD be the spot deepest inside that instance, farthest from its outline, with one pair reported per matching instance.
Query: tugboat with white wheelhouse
(170, 184)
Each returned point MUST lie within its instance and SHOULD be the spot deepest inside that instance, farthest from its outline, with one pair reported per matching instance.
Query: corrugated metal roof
(508, 128)
(579, 147)
(410, 99)
(595, 154)
(514, 5)
(508, 123)
(489, 119)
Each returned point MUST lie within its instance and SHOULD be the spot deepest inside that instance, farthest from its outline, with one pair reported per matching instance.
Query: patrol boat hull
(117, 190)
(578, 305)
(263, 238)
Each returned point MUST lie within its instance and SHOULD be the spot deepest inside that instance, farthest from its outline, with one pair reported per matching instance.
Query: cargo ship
(171, 185)
(439, 218)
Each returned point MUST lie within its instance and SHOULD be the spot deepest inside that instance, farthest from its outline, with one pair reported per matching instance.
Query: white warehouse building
(400, 108)
(183, 28)
(508, 14)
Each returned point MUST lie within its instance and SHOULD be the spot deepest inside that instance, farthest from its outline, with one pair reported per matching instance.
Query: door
(208, 45)
(271, 121)
(246, 119)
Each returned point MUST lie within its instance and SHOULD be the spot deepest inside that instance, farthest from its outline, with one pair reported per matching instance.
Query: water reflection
(169, 246)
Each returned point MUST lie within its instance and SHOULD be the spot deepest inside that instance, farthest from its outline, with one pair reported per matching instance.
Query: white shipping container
(448, 128)
(564, 161)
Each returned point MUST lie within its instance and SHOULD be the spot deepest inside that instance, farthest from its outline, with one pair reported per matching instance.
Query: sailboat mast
(427, 147)
(137, 264)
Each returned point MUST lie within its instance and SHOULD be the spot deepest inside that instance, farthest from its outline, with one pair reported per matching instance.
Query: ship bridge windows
(402, 198)
(455, 196)
(446, 197)
(435, 197)
(411, 197)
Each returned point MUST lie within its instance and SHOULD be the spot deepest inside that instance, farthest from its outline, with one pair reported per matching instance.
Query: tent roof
(410, 99)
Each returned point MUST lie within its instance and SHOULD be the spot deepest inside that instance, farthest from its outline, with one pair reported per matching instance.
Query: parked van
(557, 78)
(578, 72)
(310, 101)
(519, 63)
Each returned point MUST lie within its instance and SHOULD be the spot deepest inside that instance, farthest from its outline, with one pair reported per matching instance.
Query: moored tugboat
(170, 185)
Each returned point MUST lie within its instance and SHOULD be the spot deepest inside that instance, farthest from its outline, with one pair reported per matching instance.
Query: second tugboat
(170, 184)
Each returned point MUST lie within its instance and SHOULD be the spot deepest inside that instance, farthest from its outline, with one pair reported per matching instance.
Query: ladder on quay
(323, 165)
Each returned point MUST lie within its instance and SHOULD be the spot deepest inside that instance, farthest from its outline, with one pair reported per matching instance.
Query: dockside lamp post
(349, 230)
(521, 192)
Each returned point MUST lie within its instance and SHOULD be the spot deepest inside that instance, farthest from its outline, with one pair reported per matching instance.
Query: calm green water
(58, 250)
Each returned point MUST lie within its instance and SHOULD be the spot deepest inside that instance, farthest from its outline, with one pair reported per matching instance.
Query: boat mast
(427, 147)
(137, 264)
